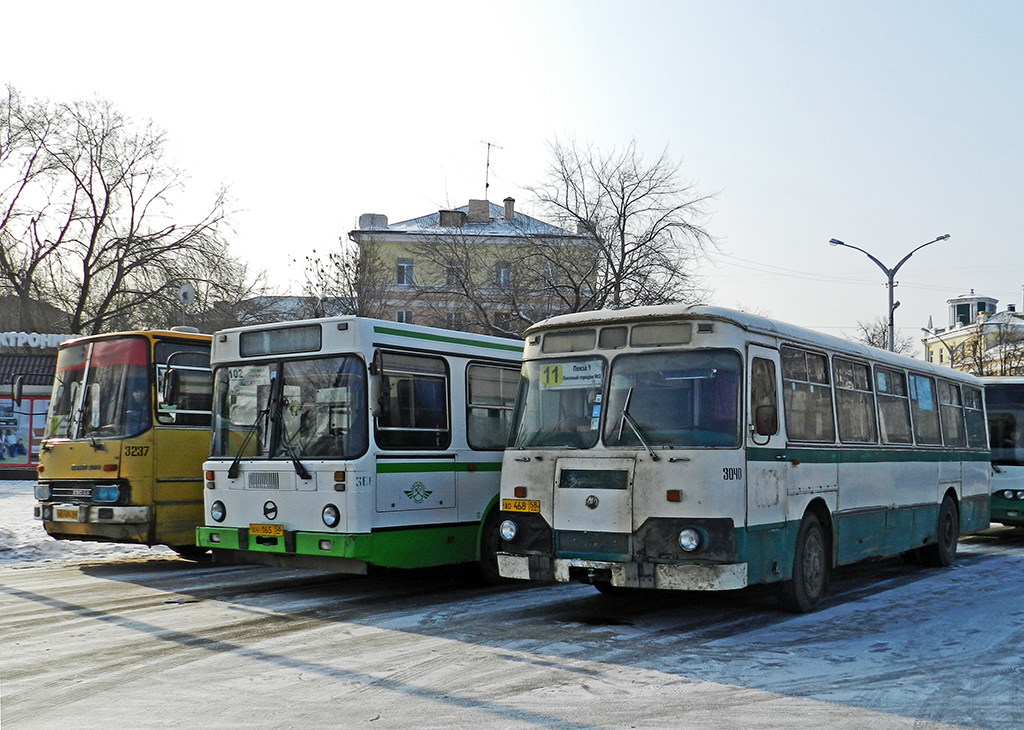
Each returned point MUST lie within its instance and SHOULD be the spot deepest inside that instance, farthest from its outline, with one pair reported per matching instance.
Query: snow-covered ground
(23, 539)
(98, 635)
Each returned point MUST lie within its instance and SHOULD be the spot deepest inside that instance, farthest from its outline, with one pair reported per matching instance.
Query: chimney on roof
(370, 221)
(510, 208)
(479, 211)
(452, 218)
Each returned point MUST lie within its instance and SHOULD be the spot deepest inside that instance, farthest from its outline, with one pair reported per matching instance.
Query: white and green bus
(345, 443)
(1004, 403)
(698, 448)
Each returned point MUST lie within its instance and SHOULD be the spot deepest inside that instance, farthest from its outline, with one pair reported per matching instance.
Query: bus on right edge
(1004, 400)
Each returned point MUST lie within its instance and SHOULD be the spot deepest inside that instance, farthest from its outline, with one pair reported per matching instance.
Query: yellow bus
(120, 461)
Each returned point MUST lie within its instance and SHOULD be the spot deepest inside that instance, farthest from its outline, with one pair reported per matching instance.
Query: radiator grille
(264, 480)
(72, 492)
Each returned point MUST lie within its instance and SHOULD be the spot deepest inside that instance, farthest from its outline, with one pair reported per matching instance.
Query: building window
(502, 274)
(454, 273)
(453, 320)
(404, 316)
(403, 276)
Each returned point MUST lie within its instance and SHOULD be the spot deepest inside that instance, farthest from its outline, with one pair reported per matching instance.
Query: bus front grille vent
(264, 480)
(593, 479)
(72, 492)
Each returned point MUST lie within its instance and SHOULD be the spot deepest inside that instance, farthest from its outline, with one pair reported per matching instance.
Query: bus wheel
(802, 592)
(192, 552)
(490, 543)
(605, 588)
(941, 553)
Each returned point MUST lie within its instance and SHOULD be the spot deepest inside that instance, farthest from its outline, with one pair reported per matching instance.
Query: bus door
(768, 466)
(593, 496)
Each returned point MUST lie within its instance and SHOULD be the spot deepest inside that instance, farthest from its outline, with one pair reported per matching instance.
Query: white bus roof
(445, 340)
(752, 323)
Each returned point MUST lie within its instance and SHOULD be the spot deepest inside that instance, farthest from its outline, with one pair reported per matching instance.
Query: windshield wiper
(300, 469)
(286, 445)
(233, 469)
(626, 418)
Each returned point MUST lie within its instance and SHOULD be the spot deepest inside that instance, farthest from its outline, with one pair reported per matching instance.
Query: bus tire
(490, 543)
(942, 552)
(192, 552)
(802, 592)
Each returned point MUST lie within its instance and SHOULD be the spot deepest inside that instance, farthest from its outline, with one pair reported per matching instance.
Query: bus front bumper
(94, 514)
(625, 575)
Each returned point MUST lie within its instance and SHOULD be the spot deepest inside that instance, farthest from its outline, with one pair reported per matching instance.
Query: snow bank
(23, 539)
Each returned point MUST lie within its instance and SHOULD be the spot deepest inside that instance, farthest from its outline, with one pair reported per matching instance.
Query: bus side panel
(975, 502)
(476, 484)
(178, 491)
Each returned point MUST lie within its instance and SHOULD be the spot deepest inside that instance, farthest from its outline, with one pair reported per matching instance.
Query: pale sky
(883, 124)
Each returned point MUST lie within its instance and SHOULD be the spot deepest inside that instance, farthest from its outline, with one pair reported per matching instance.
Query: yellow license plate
(520, 505)
(267, 530)
(66, 514)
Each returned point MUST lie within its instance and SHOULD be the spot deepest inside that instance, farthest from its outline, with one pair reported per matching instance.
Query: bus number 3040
(732, 473)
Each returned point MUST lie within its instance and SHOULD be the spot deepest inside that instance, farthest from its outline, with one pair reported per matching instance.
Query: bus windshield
(559, 403)
(317, 410)
(674, 399)
(101, 390)
(1005, 404)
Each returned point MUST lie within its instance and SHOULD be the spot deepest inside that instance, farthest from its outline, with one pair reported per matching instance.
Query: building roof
(36, 369)
(496, 225)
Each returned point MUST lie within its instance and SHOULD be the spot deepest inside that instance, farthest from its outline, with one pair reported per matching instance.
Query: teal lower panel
(768, 551)
(883, 531)
(1007, 511)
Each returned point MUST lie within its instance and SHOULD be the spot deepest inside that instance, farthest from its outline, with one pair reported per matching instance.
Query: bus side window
(764, 399)
(490, 395)
(414, 403)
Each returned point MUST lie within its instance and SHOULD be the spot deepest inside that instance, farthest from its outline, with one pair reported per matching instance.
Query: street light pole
(890, 275)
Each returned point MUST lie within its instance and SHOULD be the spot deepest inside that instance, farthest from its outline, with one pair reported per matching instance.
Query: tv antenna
(487, 170)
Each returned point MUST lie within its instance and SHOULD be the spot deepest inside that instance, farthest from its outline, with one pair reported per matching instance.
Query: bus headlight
(689, 539)
(331, 515)
(41, 493)
(508, 530)
(107, 493)
(218, 511)
(1020, 495)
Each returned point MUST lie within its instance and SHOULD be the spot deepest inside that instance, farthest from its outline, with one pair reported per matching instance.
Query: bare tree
(875, 333)
(351, 280)
(646, 223)
(994, 348)
(90, 225)
(482, 285)
(27, 180)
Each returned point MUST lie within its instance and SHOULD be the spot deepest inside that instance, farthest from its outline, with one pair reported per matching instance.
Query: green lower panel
(418, 547)
(217, 537)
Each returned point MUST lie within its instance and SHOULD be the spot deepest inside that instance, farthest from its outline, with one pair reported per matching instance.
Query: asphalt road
(164, 643)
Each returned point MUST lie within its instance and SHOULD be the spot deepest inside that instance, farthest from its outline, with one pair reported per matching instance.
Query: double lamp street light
(891, 275)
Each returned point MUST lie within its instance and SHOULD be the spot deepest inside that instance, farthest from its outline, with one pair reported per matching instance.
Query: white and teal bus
(1004, 403)
(698, 448)
(345, 443)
